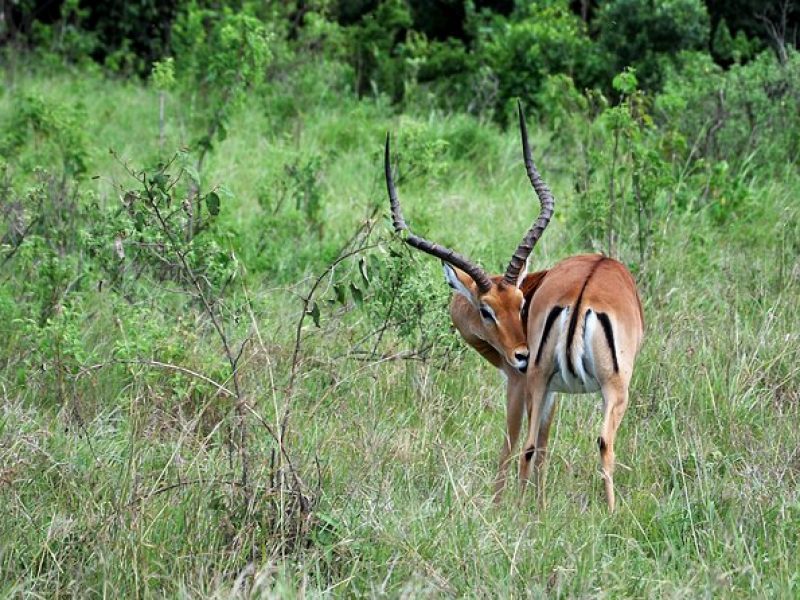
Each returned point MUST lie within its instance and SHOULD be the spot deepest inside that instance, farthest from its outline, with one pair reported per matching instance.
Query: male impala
(583, 322)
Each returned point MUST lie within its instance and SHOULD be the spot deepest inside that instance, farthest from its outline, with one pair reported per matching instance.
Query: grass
(119, 482)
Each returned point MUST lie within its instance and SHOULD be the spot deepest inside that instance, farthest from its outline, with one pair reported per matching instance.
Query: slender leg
(615, 401)
(545, 420)
(537, 386)
(515, 399)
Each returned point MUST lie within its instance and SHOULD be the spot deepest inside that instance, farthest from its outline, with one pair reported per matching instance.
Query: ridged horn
(545, 214)
(446, 254)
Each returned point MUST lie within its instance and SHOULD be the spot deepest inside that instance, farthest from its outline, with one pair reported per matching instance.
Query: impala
(575, 328)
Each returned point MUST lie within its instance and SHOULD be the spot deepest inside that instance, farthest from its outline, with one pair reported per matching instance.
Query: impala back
(585, 324)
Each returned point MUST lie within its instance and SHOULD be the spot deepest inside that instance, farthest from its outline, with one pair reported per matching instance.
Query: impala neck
(529, 286)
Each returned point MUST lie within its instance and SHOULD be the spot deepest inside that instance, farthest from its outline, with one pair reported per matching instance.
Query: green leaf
(191, 171)
(314, 313)
(362, 268)
(139, 221)
(375, 262)
(212, 202)
(358, 295)
(626, 81)
(341, 293)
(160, 181)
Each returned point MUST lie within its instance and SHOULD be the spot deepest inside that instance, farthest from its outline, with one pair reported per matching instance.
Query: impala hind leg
(615, 401)
(536, 399)
(515, 400)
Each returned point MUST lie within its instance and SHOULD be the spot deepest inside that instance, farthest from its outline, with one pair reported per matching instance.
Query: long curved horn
(545, 199)
(457, 260)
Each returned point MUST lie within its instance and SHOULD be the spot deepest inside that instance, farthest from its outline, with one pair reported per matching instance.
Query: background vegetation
(222, 376)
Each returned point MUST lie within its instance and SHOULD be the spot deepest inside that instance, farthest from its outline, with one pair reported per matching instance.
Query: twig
(17, 246)
(387, 316)
(364, 228)
(155, 363)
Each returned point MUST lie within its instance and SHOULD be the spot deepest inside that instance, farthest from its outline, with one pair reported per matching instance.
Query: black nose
(521, 356)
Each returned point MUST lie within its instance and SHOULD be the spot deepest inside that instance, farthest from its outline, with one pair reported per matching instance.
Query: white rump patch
(583, 382)
(587, 361)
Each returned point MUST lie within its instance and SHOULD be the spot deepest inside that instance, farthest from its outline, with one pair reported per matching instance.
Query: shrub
(649, 35)
(523, 50)
(372, 49)
(748, 113)
(47, 134)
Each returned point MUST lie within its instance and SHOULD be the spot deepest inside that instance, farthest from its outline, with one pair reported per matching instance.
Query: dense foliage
(469, 55)
(221, 374)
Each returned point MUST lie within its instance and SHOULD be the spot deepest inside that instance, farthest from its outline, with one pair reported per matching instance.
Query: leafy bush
(50, 132)
(620, 171)
(153, 230)
(372, 45)
(220, 49)
(649, 35)
(408, 300)
(731, 114)
(132, 35)
(523, 50)
(291, 215)
(442, 74)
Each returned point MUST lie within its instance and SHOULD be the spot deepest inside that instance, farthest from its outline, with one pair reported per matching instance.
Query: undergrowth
(223, 377)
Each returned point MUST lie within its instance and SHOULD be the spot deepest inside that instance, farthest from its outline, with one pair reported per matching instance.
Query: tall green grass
(119, 483)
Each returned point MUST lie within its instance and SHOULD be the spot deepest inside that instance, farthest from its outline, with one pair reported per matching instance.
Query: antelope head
(494, 303)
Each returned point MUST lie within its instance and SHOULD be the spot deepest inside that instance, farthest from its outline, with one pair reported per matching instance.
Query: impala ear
(461, 283)
(523, 272)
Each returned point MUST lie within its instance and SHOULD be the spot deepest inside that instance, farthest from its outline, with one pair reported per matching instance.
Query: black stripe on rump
(574, 318)
(606, 323)
(548, 324)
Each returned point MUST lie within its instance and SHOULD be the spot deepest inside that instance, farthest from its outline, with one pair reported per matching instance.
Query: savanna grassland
(222, 374)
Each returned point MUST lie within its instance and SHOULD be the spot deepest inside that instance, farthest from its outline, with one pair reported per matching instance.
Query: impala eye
(487, 314)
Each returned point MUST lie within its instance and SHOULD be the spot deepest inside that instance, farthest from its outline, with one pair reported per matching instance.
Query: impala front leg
(515, 400)
(545, 420)
(537, 388)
